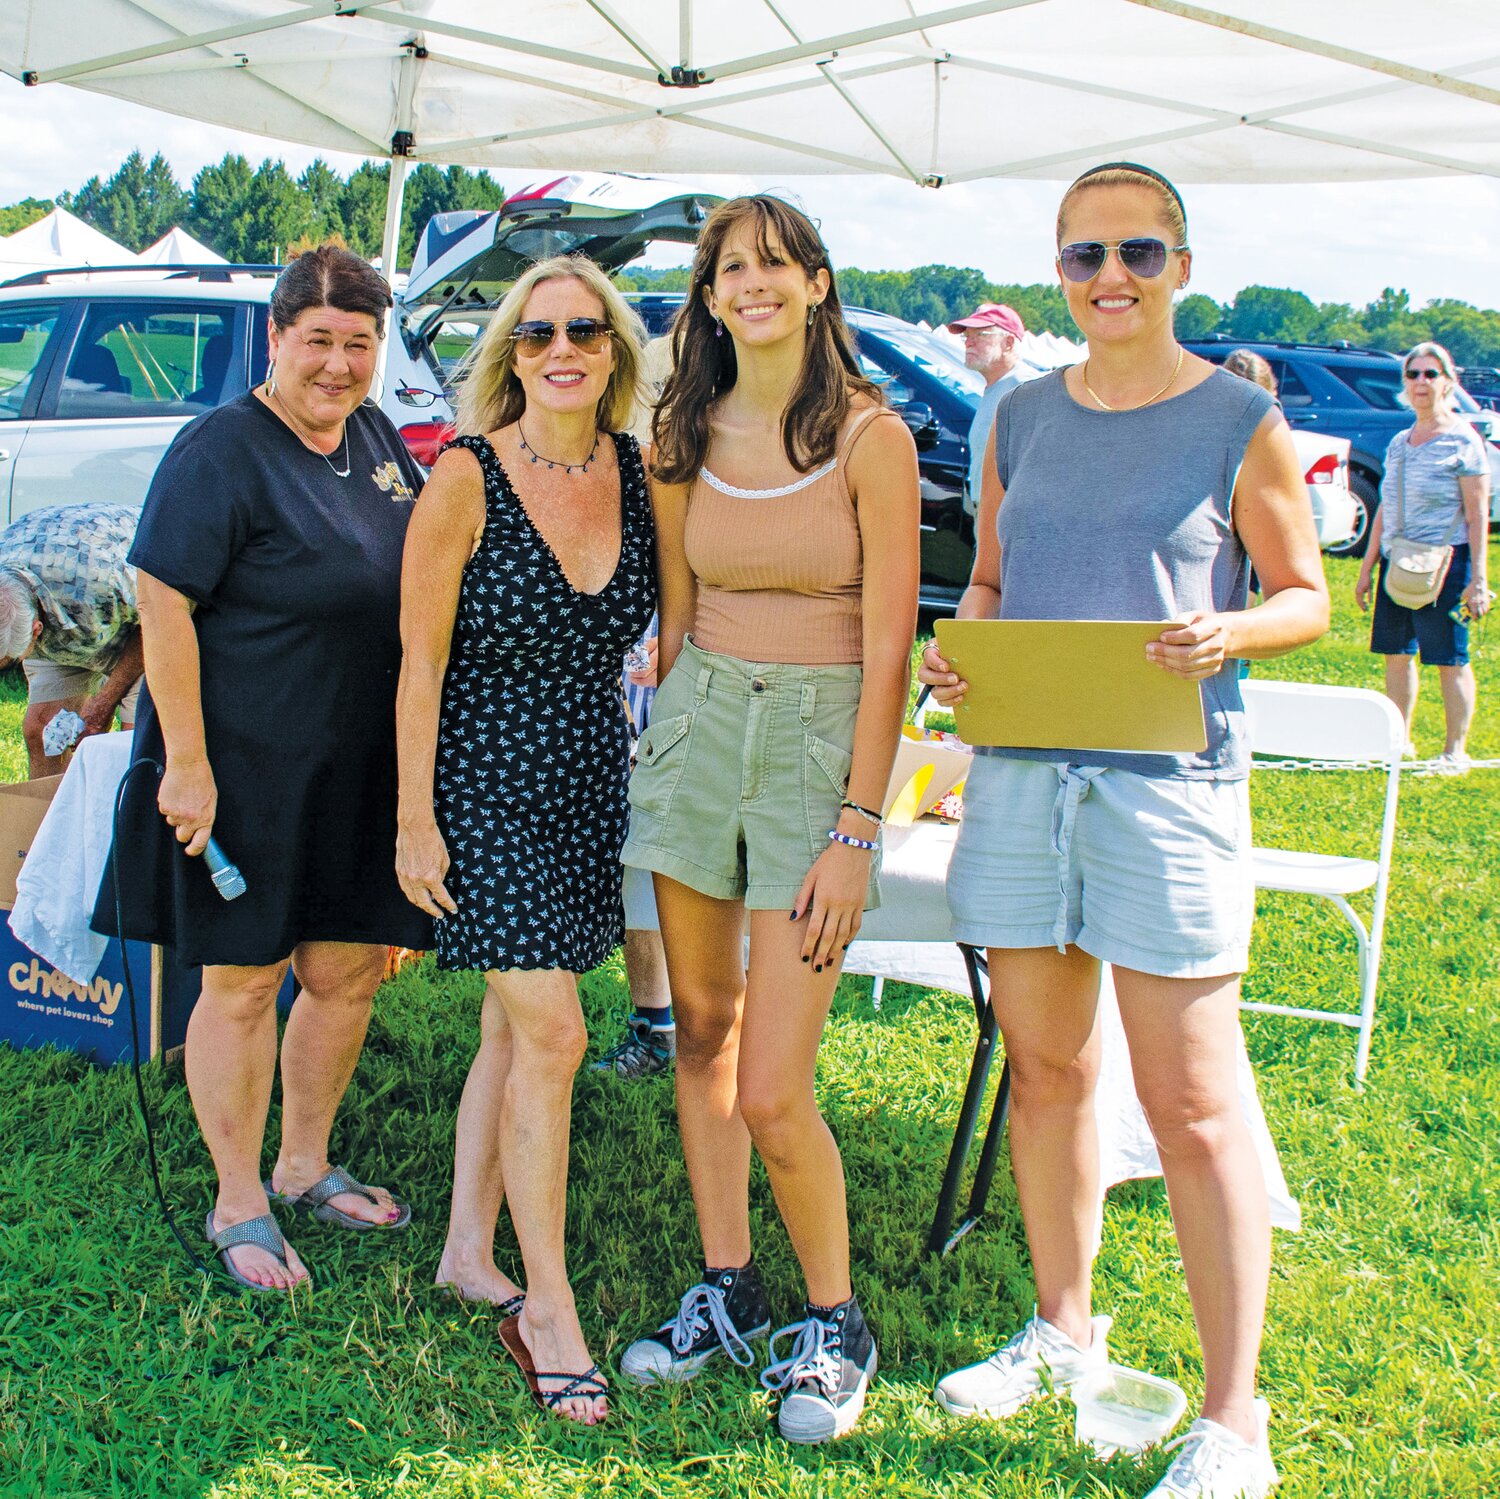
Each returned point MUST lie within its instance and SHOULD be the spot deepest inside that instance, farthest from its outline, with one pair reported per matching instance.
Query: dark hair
(704, 365)
(329, 276)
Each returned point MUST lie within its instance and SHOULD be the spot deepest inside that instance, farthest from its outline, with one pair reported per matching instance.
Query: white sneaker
(1213, 1463)
(1452, 763)
(1039, 1357)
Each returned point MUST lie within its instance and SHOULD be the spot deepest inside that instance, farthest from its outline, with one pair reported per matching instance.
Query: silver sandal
(263, 1232)
(315, 1202)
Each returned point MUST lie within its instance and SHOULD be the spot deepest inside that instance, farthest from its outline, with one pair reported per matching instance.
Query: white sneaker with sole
(1037, 1357)
(1213, 1463)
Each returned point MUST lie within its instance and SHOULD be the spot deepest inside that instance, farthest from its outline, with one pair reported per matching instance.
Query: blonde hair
(489, 392)
(1444, 359)
(1248, 365)
(1129, 174)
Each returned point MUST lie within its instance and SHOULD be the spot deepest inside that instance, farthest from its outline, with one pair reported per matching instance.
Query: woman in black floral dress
(529, 572)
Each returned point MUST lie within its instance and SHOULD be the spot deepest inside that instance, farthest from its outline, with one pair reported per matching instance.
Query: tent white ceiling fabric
(1235, 90)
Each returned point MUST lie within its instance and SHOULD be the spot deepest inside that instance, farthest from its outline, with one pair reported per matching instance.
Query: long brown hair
(705, 367)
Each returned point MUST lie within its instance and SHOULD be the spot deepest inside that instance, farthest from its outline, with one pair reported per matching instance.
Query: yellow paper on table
(1070, 684)
(924, 773)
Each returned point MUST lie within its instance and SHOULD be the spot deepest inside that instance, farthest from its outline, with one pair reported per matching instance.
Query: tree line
(260, 214)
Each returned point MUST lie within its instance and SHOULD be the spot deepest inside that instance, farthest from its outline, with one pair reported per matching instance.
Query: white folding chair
(1310, 722)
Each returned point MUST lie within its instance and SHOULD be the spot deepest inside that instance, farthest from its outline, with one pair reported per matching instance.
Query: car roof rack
(1342, 346)
(215, 271)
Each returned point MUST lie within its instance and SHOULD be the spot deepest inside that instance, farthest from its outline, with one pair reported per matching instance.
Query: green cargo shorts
(739, 777)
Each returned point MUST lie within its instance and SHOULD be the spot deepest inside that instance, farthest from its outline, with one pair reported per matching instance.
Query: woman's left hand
(832, 899)
(1479, 598)
(1196, 647)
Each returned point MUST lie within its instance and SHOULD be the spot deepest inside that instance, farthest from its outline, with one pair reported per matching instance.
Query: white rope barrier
(1408, 767)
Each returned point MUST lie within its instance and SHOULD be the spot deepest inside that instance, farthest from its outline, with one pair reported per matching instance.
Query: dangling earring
(812, 308)
(718, 327)
(271, 378)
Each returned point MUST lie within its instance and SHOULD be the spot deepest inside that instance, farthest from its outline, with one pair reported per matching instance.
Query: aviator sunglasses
(586, 334)
(1084, 259)
(1423, 374)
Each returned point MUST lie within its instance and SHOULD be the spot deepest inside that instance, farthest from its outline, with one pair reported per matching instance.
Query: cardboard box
(41, 1007)
(22, 807)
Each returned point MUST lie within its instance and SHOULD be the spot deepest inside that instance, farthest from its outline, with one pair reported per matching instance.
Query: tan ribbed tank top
(780, 571)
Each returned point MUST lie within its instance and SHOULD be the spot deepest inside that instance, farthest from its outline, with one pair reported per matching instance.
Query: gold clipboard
(1070, 684)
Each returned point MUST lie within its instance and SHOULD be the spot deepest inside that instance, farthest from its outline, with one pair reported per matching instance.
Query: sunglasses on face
(1423, 374)
(1084, 259)
(586, 334)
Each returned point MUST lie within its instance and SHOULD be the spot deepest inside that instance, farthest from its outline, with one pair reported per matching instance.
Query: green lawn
(122, 1372)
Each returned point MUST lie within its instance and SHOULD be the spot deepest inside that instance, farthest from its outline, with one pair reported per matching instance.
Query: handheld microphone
(228, 881)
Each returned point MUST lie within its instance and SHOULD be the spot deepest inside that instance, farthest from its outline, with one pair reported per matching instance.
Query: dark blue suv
(936, 397)
(1346, 392)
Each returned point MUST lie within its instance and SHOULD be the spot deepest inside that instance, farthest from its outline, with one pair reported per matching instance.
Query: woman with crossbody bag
(1433, 554)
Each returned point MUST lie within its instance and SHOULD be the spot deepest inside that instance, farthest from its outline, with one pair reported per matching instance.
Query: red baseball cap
(991, 315)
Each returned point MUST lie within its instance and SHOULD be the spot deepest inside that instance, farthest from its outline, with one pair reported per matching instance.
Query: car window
(1290, 388)
(138, 359)
(933, 357)
(1379, 385)
(24, 332)
(897, 391)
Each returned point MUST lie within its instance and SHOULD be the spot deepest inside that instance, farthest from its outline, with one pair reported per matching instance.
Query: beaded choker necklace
(567, 468)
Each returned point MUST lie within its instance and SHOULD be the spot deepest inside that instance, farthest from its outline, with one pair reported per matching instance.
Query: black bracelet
(864, 812)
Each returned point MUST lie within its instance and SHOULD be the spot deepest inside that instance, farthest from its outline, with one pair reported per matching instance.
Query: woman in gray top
(1436, 489)
(1139, 485)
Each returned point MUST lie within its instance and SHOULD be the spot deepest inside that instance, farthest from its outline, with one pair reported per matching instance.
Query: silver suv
(100, 369)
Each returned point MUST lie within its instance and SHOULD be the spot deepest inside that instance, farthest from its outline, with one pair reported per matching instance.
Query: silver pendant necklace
(567, 468)
(338, 473)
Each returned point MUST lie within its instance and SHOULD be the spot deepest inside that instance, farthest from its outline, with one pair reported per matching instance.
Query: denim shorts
(1146, 872)
(1396, 630)
(739, 777)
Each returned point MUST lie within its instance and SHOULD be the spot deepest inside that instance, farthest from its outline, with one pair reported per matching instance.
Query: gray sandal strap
(263, 1232)
(330, 1184)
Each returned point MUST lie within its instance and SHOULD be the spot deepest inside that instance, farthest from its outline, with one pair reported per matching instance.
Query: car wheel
(1367, 495)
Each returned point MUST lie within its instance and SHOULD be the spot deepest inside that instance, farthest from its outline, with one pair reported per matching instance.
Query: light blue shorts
(1147, 873)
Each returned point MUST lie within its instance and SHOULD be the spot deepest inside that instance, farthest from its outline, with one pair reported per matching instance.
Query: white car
(1325, 466)
(99, 370)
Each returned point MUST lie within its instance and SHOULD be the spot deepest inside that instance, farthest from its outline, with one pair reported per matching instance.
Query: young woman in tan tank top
(786, 508)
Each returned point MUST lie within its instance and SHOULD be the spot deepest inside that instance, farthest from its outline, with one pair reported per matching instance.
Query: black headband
(1135, 166)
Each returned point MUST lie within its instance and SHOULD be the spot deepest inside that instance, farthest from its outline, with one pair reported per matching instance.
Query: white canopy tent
(60, 239)
(178, 247)
(1235, 90)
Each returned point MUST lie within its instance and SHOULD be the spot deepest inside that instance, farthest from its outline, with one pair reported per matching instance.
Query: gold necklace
(1105, 406)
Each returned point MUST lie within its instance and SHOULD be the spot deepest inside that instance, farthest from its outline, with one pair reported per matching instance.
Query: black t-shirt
(295, 571)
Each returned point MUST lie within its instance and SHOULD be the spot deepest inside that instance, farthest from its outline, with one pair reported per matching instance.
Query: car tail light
(424, 440)
(1324, 471)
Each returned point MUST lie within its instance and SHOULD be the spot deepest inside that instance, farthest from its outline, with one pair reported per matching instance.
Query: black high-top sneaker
(719, 1315)
(826, 1374)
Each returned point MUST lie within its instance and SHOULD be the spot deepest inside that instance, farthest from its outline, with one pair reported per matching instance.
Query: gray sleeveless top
(1128, 515)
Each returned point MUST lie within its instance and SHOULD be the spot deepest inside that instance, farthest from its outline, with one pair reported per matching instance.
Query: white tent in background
(178, 247)
(63, 239)
(928, 90)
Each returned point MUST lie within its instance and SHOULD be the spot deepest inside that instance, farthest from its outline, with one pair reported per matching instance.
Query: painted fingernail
(846, 947)
(806, 959)
(792, 917)
(817, 968)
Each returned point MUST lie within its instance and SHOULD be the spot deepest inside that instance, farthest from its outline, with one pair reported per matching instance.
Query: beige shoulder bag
(1416, 570)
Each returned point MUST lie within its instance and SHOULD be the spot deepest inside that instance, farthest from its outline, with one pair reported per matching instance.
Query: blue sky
(1341, 242)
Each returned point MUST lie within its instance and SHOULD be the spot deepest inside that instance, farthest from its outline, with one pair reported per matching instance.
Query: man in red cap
(992, 336)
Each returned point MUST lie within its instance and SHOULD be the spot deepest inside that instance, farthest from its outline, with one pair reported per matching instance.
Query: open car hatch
(469, 259)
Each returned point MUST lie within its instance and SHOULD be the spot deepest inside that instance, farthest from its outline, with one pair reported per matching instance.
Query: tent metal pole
(1422, 77)
(390, 240)
(820, 45)
(402, 145)
(313, 12)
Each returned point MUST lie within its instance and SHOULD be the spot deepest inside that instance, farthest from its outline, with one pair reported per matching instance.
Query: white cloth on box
(57, 885)
(909, 938)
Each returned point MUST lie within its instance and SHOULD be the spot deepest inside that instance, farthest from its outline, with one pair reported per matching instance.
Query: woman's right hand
(1362, 589)
(189, 800)
(421, 863)
(947, 686)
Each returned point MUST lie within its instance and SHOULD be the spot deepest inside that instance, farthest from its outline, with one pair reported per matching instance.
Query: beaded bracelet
(844, 838)
(864, 812)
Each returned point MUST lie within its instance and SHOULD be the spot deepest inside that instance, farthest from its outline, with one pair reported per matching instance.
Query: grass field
(122, 1372)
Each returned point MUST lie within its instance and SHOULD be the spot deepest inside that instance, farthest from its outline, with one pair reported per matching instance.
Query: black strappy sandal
(590, 1385)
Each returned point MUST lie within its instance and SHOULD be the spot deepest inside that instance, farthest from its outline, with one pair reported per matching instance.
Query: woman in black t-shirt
(269, 558)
